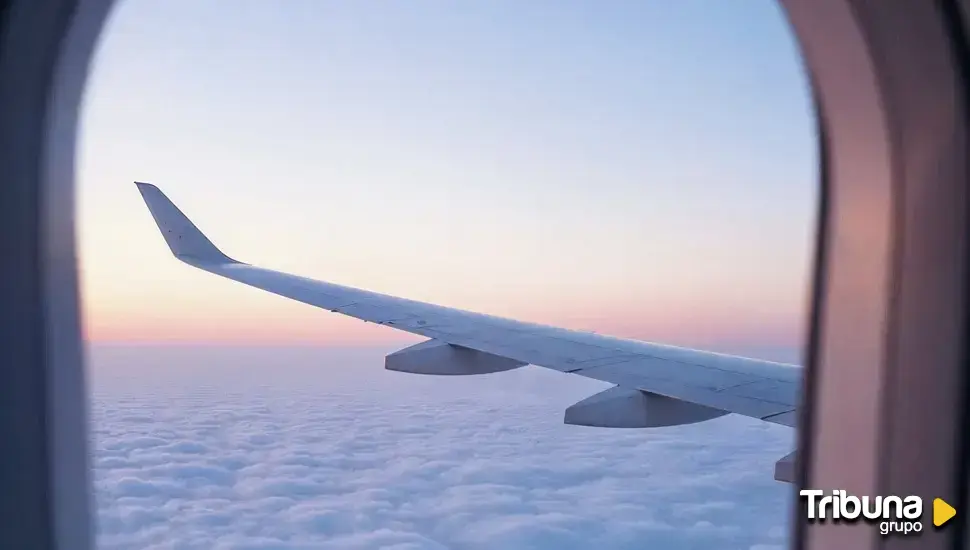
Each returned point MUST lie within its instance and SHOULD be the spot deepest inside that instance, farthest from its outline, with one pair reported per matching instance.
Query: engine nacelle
(620, 407)
(785, 468)
(442, 358)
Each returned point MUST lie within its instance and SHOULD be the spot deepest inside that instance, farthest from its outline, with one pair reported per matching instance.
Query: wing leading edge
(655, 385)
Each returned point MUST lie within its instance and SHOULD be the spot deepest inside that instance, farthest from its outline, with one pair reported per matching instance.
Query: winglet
(183, 237)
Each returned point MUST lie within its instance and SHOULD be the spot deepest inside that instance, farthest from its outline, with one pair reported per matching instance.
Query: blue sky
(646, 169)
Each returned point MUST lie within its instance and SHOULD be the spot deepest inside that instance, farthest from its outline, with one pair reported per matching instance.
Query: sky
(642, 169)
(309, 448)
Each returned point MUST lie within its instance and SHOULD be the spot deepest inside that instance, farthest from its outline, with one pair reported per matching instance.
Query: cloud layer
(222, 448)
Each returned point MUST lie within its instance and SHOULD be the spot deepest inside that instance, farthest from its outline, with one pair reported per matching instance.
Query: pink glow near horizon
(666, 198)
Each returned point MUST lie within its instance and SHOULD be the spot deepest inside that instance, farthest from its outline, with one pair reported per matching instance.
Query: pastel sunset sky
(645, 169)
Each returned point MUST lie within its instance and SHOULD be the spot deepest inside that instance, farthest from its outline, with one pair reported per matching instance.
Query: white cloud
(201, 448)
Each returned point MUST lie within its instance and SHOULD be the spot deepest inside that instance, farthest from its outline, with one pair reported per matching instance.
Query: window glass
(646, 170)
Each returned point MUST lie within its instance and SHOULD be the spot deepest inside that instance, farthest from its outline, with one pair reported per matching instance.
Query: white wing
(655, 385)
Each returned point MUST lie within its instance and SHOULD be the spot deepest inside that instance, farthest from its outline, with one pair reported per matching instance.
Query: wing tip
(184, 239)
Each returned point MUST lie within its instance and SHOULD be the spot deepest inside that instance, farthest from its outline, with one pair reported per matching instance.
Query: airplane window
(646, 171)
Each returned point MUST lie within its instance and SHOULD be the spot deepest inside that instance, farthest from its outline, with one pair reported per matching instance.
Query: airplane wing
(654, 385)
